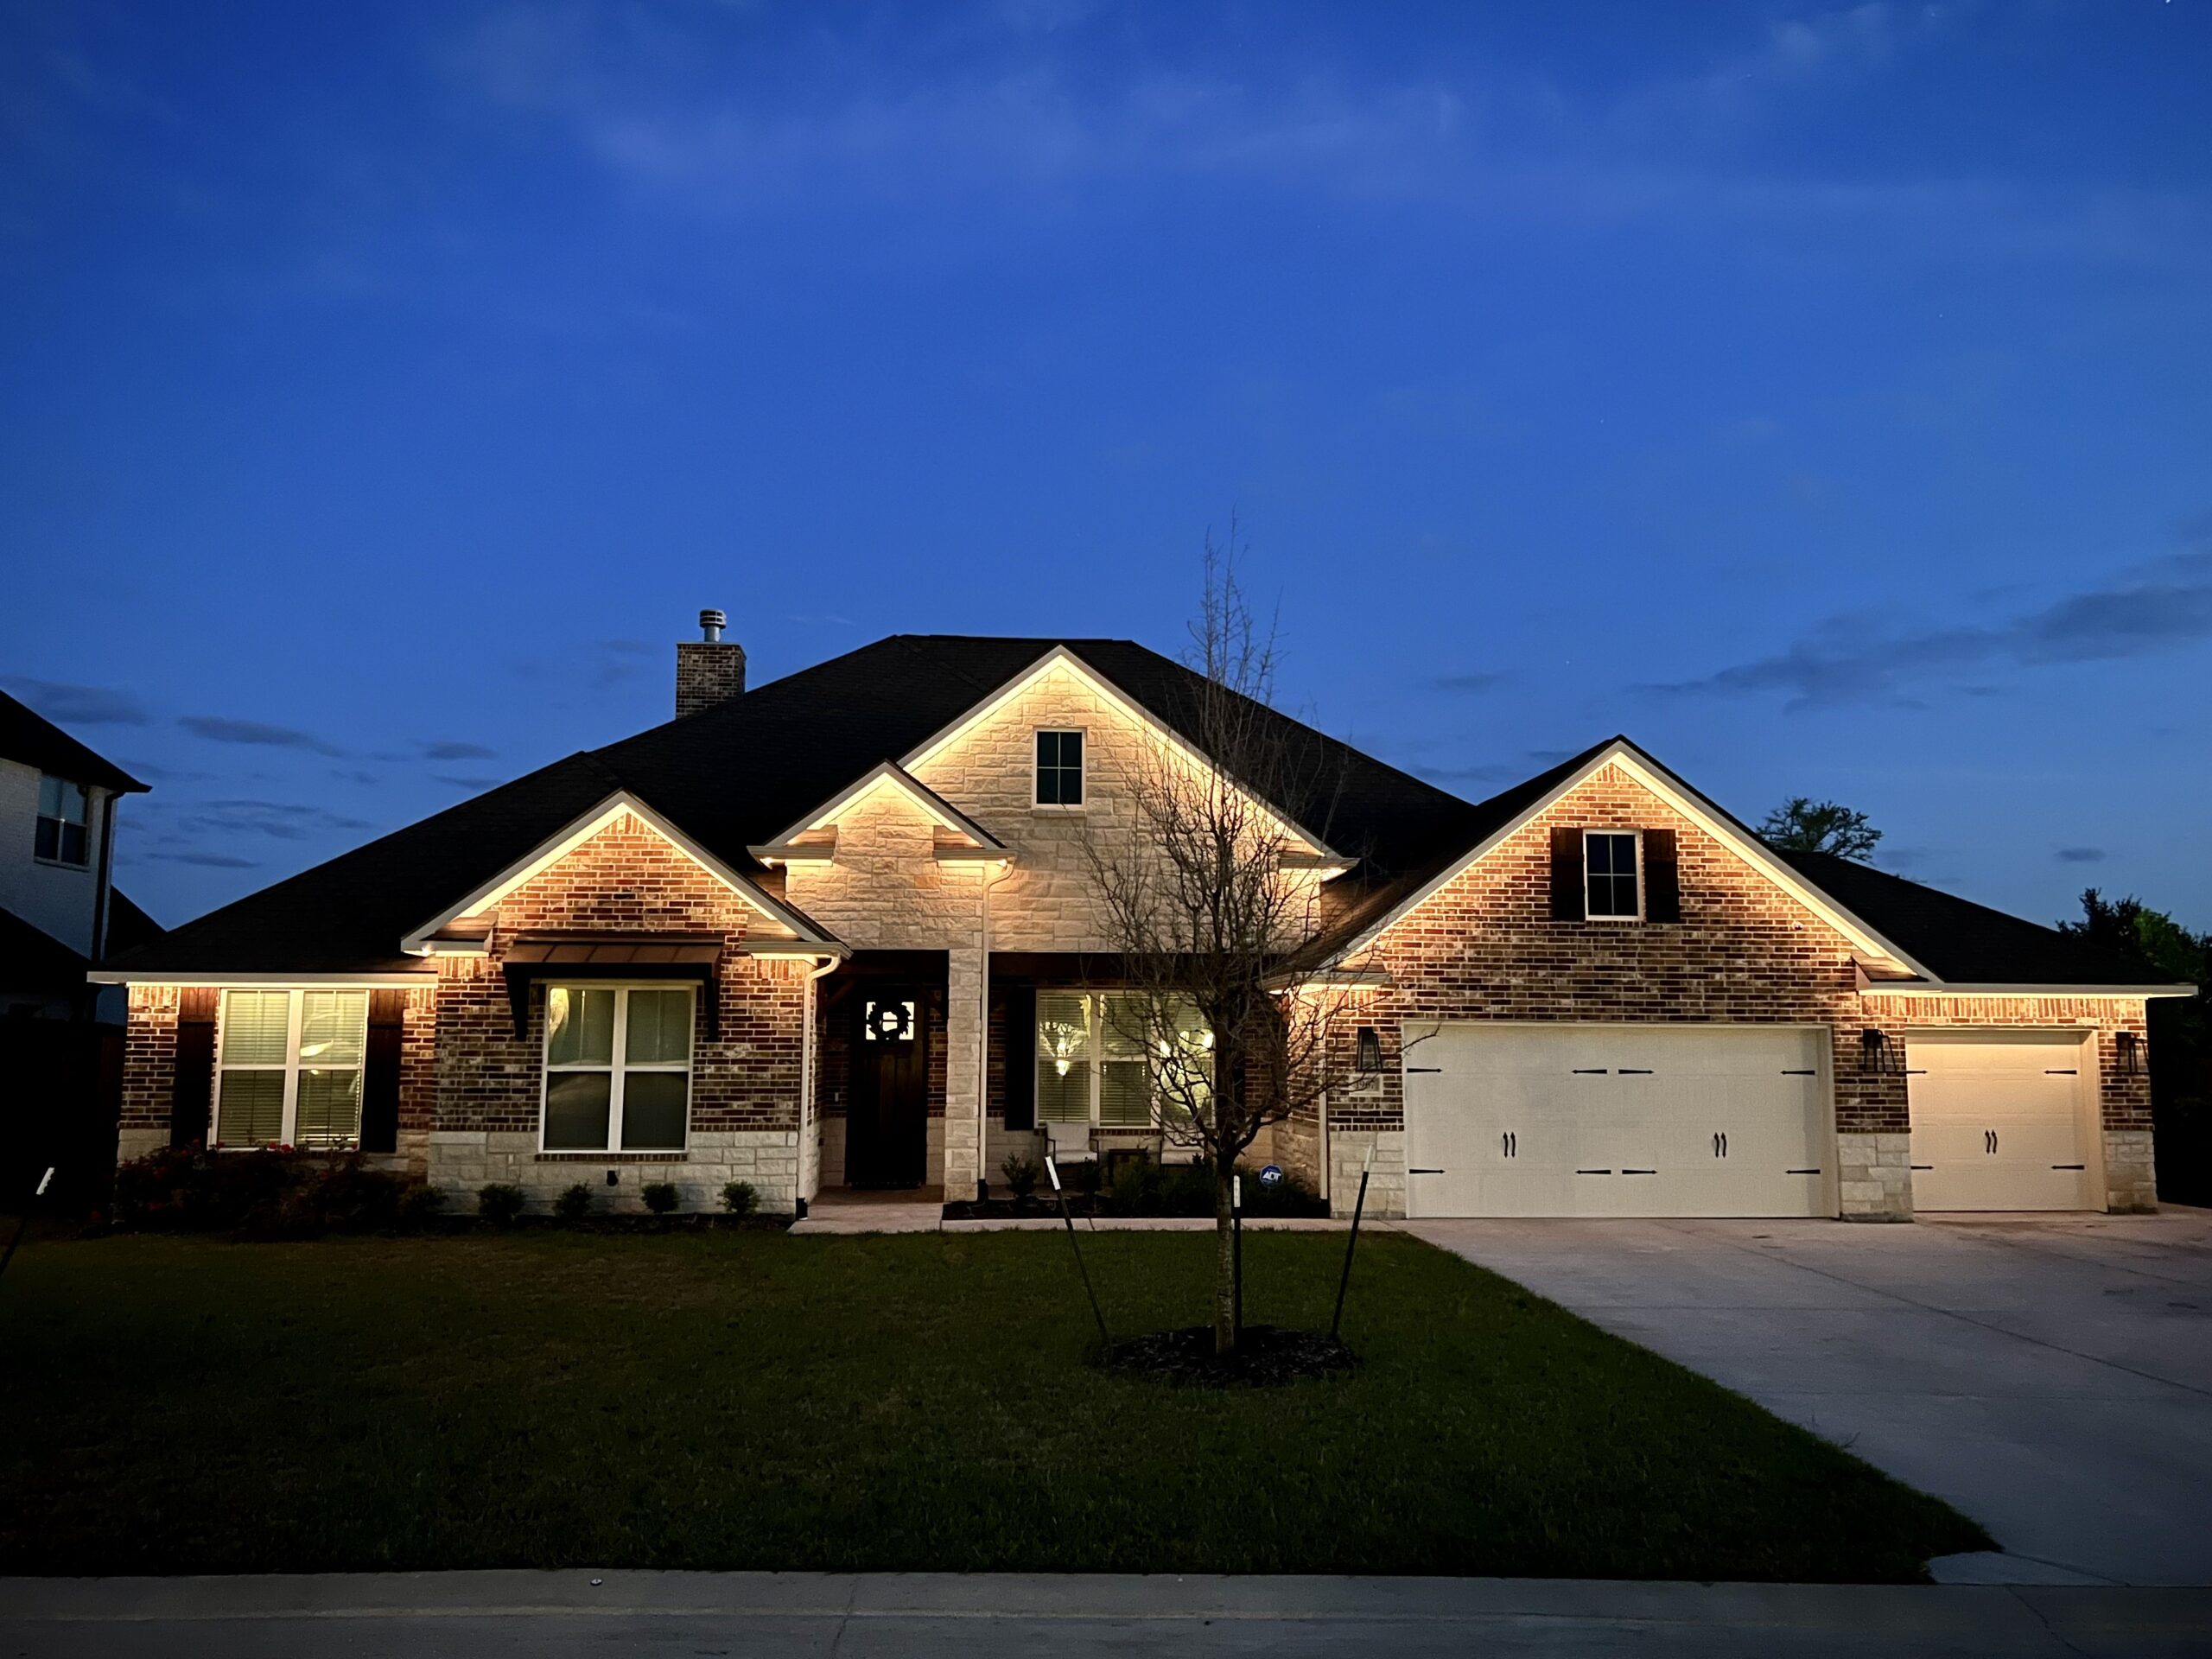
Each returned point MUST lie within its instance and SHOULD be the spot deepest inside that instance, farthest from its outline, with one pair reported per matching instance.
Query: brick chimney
(708, 669)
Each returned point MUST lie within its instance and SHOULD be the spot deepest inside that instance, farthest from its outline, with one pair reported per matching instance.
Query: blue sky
(1822, 396)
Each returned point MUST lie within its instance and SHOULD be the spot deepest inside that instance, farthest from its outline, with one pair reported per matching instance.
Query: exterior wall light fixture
(1369, 1059)
(1877, 1054)
(2133, 1063)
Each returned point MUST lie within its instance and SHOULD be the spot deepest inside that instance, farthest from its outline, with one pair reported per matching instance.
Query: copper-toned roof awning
(610, 956)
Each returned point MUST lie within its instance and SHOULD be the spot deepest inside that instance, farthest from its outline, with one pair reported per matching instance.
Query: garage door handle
(1509, 1144)
(1989, 1142)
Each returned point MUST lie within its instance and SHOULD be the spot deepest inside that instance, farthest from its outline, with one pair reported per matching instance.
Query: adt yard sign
(1271, 1176)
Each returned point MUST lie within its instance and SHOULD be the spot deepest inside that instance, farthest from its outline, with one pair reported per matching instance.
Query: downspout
(101, 889)
(814, 978)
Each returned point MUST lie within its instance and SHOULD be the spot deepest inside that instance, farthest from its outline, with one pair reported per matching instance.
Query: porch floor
(864, 1209)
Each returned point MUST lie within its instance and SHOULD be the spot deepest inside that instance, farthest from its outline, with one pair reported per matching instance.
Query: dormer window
(64, 822)
(1060, 769)
(1611, 892)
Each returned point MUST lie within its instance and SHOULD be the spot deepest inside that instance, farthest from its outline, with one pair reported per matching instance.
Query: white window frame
(41, 817)
(1636, 835)
(1036, 770)
(618, 1067)
(1095, 1062)
(295, 999)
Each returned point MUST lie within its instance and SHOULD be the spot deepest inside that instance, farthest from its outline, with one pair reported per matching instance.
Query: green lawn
(750, 1399)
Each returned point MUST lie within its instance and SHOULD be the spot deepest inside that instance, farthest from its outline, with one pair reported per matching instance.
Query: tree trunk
(1224, 1272)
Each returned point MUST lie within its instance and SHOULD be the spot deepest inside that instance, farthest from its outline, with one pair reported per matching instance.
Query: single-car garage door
(2000, 1120)
(1505, 1120)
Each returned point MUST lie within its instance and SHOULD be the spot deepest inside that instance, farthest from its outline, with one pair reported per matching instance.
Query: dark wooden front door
(886, 1123)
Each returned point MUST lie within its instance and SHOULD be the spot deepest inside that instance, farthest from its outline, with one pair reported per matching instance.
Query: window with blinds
(1097, 1063)
(287, 1069)
(617, 1067)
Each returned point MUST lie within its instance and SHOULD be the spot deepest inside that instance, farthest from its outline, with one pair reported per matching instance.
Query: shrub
(419, 1204)
(739, 1199)
(1021, 1173)
(271, 1192)
(660, 1196)
(573, 1204)
(499, 1203)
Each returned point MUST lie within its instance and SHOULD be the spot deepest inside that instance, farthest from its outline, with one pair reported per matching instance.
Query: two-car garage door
(1505, 1120)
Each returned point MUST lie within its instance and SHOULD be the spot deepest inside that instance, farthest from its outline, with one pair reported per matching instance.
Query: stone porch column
(964, 1069)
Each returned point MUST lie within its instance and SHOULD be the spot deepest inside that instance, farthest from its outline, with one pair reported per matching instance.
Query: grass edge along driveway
(906, 1402)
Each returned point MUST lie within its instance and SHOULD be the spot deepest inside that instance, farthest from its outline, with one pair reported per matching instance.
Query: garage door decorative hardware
(2069, 1073)
(1424, 1068)
(1639, 1172)
(1923, 1165)
(1593, 1172)
(1635, 1071)
(1424, 1171)
(1800, 1172)
(1509, 1144)
(1720, 1145)
(1589, 1070)
(2069, 1166)
(1989, 1141)
(1806, 1072)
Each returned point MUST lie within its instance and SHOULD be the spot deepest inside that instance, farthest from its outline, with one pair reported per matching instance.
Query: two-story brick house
(841, 929)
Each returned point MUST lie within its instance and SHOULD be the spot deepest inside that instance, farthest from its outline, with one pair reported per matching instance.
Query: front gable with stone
(842, 929)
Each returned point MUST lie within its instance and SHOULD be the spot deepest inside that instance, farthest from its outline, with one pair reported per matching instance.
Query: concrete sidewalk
(476, 1615)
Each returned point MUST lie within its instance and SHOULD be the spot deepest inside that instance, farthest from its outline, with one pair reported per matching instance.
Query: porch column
(964, 1068)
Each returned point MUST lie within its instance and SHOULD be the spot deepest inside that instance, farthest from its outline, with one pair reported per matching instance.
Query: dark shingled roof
(33, 960)
(1959, 940)
(28, 736)
(736, 774)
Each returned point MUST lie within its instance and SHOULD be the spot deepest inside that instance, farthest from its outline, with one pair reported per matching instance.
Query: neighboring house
(59, 912)
(840, 928)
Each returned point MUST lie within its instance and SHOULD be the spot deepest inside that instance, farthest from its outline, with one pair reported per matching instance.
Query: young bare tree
(1209, 890)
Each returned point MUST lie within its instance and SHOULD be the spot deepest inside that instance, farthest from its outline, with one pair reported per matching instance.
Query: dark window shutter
(1569, 903)
(1662, 884)
(192, 1079)
(1022, 1057)
(380, 1072)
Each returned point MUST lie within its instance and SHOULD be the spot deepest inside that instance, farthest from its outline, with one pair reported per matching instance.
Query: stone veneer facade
(1484, 947)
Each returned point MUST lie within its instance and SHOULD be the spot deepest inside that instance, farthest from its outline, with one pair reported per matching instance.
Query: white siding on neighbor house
(62, 900)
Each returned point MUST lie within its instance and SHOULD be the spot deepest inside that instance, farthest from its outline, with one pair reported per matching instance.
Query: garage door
(2001, 1122)
(1616, 1121)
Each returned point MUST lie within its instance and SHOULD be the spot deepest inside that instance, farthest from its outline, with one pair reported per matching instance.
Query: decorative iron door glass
(592, 1102)
(288, 1071)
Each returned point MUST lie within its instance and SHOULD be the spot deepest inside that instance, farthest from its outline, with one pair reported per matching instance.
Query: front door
(887, 1124)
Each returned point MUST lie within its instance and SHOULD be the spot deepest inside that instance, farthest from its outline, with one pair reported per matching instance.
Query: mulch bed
(1268, 1356)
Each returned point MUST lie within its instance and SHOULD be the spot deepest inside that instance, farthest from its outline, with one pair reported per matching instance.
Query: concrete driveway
(2049, 1376)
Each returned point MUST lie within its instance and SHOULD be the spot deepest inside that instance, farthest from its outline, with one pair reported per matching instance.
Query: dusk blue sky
(1824, 397)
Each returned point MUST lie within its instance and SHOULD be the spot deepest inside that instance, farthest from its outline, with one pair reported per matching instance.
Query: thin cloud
(2164, 605)
(449, 751)
(77, 705)
(1468, 682)
(205, 860)
(2081, 855)
(278, 820)
(463, 782)
(217, 729)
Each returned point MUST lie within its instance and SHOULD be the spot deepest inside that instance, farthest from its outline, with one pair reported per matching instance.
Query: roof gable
(1531, 800)
(30, 737)
(419, 941)
(885, 775)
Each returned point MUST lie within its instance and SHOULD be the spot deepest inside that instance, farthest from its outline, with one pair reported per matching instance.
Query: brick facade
(1485, 947)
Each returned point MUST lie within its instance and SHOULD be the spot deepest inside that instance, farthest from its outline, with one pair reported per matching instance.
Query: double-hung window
(617, 1067)
(1609, 862)
(1060, 769)
(287, 1071)
(1100, 1062)
(65, 819)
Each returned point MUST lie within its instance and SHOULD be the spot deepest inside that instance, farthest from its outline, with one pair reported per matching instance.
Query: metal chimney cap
(711, 624)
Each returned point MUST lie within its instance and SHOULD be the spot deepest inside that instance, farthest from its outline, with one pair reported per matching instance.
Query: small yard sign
(1271, 1176)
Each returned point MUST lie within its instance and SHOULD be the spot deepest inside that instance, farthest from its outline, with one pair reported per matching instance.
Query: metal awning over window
(610, 956)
